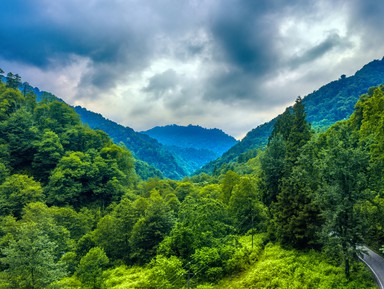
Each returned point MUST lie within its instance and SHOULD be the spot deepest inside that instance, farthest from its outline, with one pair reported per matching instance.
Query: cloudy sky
(229, 64)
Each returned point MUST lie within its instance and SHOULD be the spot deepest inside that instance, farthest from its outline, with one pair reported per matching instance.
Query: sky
(228, 64)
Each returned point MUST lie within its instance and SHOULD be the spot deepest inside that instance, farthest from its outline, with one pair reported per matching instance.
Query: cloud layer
(228, 64)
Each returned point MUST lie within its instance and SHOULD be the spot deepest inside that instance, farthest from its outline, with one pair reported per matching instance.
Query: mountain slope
(193, 136)
(332, 102)
(142, 146)
(194, 146)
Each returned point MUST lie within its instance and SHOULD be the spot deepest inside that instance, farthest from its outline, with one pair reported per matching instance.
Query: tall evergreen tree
(299, 132)
(291, 206)
(343, 168)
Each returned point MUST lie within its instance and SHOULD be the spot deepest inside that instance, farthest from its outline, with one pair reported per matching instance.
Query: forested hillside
(142, 146)
(333, 102)
(74, 213)
(195, 146)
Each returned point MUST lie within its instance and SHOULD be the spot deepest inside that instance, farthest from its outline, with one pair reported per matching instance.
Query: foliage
(91, 267)
(74, 213)
(16, 192)
(142, 146)
(279, 268)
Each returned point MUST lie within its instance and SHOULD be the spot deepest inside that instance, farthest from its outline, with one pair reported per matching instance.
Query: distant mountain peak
(192, 136)
(194, 145)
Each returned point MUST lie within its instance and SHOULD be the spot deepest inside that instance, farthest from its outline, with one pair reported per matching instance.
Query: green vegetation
(75, 214)
(333, 102)
(143, 147)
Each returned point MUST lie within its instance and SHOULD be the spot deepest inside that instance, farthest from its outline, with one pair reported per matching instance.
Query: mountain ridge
(332, 102)
(193, 145)
(142, 146)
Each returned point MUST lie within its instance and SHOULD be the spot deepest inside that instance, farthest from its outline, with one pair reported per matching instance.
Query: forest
(74, 213)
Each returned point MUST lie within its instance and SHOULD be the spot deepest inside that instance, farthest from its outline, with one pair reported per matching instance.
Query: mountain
(332, 102)
(193, 145)
(142, 146)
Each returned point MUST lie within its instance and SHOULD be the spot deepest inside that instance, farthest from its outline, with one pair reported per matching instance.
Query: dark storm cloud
(368, 13)
(333, 41)
(238, 45)
(246, 33)
(43, 33)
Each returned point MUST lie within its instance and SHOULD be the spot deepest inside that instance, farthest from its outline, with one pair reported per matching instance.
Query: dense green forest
(75, 214)
(143, 147)
(333, 102)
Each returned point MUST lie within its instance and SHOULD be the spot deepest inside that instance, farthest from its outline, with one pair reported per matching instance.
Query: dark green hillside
(142, 146)
(332, 102)
(336, 100)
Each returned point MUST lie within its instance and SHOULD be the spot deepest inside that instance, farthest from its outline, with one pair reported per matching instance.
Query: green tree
(151, 229)
(66, 184)
(13, 80)
(30, 259)
(283, 125)
(273, 169)
(4, 172)
(48, 153)
(19, 134)
(166, 273)
(114, 231)
(343, 171)
(246, 207)
(203, 222)
(10, 101)
(228, 183)
(81, 138)
(17, 191)
(56, 116)
(43, 218)
(299, 133)
(91, 267)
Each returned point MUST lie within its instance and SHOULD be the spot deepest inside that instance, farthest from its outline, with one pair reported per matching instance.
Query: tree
(246, 207)
(287, 201)
(228, 183)
(56, 116)
(151, 229)
(203, 222)
(166, 273)
(91, 267)
(13, 80)
(16, 192)
(283, 125)
(30, 259)
(19, 134)
(299, 133)
(296, 216)
(48, 153)
(343, 170)
(273, 169)
(114, 231)
(66, 184)
(10, 101)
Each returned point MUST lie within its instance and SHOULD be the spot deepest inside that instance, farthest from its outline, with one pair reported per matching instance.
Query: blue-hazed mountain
(142, 146)
(193, 145)
(332, 102)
